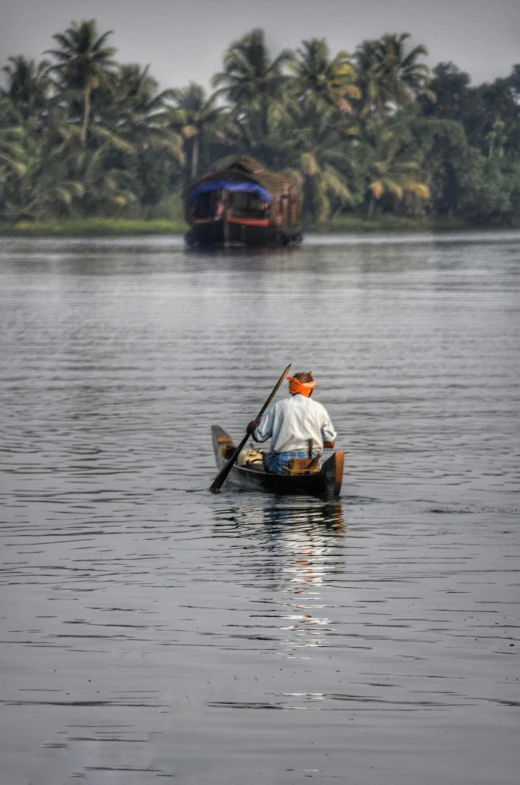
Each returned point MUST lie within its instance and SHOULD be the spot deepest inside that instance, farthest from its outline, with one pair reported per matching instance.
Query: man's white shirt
(292, 422)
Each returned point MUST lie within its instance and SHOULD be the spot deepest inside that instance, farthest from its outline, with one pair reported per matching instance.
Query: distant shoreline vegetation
(347, 224)
(374, 139)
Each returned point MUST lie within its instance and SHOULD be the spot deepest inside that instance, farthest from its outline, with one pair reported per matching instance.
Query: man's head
(301, 384)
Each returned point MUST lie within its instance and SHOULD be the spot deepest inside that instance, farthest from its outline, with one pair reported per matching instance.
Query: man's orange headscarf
(297, 387)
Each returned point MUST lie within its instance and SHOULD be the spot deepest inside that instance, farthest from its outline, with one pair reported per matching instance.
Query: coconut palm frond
(336, 186)
(377, 188)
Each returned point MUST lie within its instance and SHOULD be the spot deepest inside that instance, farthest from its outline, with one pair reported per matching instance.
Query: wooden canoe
(325, 482)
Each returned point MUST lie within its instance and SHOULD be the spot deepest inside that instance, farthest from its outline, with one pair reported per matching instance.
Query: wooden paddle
(218, 482)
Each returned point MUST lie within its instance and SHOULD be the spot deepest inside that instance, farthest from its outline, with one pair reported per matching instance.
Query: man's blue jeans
(278, 462)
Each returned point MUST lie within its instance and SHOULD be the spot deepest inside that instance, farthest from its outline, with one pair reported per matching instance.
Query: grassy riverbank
(99, 227)
(93, 227)
(352, 224)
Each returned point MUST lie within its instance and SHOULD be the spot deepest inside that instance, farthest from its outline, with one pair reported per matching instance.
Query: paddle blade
(219, 480)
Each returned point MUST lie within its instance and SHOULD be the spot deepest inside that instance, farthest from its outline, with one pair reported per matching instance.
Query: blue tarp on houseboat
(219, 185)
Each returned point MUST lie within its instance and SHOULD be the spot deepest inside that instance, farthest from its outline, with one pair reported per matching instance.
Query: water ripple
(138, 609)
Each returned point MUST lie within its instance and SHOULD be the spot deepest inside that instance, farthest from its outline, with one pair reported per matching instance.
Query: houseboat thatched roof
(245, 167)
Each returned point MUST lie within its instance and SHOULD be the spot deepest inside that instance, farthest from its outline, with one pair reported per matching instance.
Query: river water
(151, 630)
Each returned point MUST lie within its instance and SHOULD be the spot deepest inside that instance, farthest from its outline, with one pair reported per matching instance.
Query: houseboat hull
(221, 234)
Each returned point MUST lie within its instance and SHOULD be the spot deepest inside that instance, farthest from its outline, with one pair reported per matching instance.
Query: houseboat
(243, 204)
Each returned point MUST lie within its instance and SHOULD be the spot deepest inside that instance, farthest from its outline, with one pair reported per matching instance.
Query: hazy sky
(183, 40)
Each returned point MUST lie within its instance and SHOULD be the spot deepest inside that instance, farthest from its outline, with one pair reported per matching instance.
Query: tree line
(369, 133)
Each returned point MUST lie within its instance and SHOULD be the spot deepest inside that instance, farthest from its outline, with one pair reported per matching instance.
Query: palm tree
(316, 74)
(50, 191)
(250, 79)
(198, 119)
(320, 144)
(392, 169)
(108, 190)
(28, 85)
(84, 64)
(388, 76)
(407, 77)
(266, 132)
(12, 137)
(34, 176)
(139, 113)
(374, 90)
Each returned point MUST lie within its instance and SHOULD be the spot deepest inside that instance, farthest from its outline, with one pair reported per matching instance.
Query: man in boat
(297, 426)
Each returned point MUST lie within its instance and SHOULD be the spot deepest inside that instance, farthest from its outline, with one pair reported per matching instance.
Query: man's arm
(262, 430)
(327, 431)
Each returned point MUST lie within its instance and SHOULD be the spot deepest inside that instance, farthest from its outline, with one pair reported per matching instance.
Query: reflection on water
(310, 548)
(302, 543)
(151, 630)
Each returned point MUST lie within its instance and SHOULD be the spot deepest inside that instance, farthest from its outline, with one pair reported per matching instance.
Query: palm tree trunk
(86, 115)
(195, 157)
(265, 116)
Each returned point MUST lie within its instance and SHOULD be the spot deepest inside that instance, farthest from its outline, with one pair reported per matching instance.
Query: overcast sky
(183, 40)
